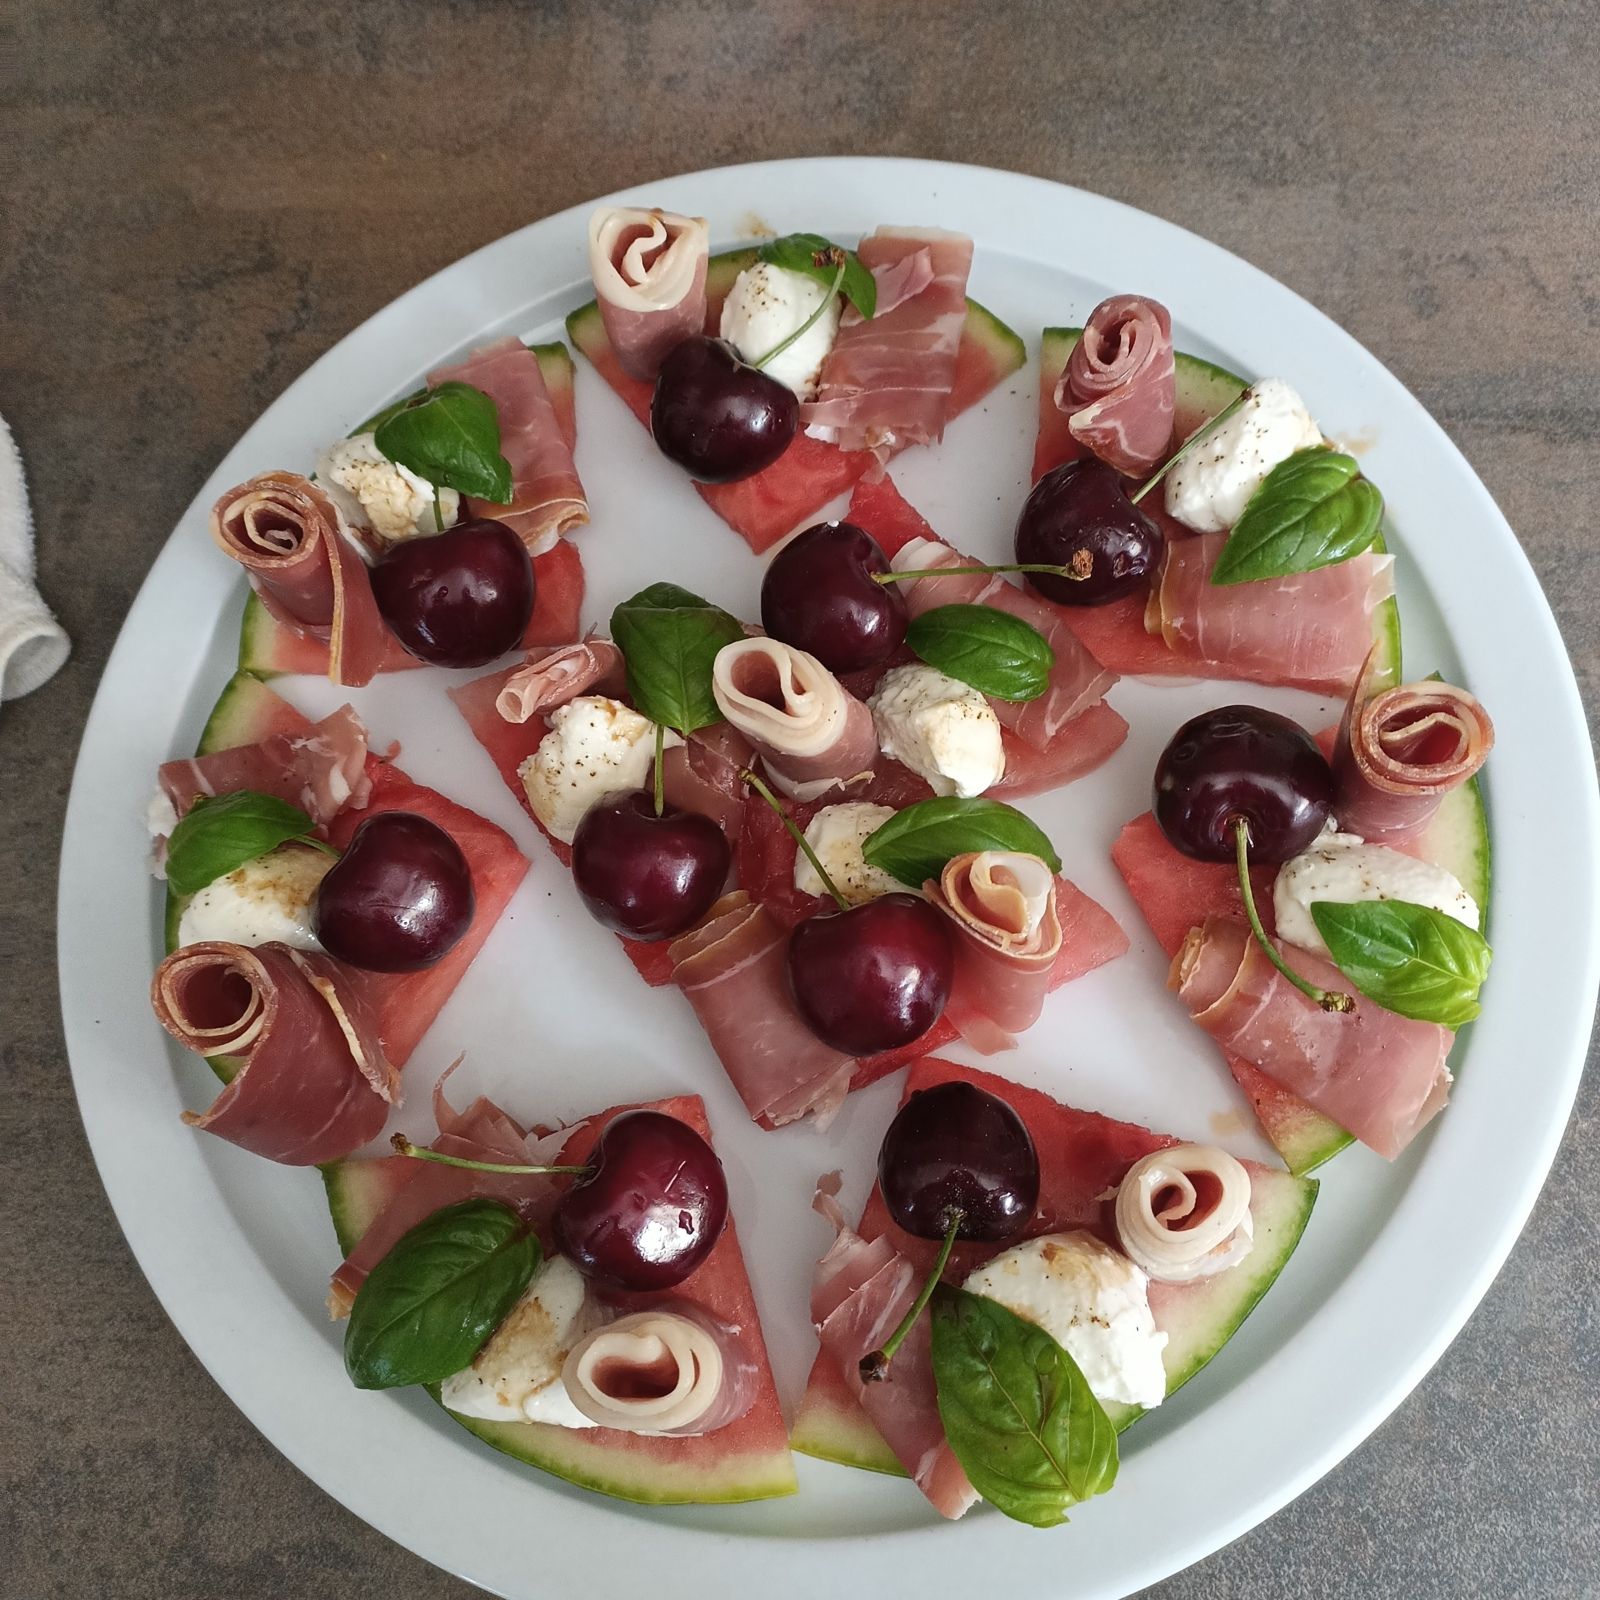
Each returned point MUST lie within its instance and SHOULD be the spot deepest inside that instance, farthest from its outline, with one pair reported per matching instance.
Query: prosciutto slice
(731, 970)
(312, 1082)
(859, 1292)
(1118, 388)
(886, 383)
(285, 533)
(547, 498)
(550, 678)
(1077, 681)
(702, 774)
(1312, 628)
(1381, 1076)
(322, 770)
(1002, 904)
(1401, 751)
(812, 734)
(649, 271)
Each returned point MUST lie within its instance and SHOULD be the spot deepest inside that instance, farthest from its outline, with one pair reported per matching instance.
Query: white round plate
(556, 1024)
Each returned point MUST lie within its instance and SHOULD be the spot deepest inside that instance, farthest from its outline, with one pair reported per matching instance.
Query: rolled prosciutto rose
(1118, 389)
(649, 270)
(1401, 751)
(312, 1083)
(1008, 935)
(1381, 1076)
(283, 530)
(812, 734)
(551, 678)
(1184, 1213)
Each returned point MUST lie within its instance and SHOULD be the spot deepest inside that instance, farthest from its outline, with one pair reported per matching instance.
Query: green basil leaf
(451, 437)
(995, 652)
(914, 844)
(1018, 1413)
(669, 639)
(1311, 511)
(819, 258)
(1411, 959)
(218, 834)
(428, 1307)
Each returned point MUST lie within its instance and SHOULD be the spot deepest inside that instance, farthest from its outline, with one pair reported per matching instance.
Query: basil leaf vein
(1411, 959)
(914, 844)
(995, 652)
(1017, 1411)
(220, 833)
(1312, 510)
(450, 436)
(819, 258)
(669, 639)
(428, 1307)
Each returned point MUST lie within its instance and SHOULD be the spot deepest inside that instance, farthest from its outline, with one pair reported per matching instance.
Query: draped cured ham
(285, 533)
(649, 271)
(312, 1082)
(550, 678)
(887, 381)
(320, 767)
(1313, 629)
(1117, 392)
(1380, 1075)
(1400, 751)
(812, 734)
(547, 498)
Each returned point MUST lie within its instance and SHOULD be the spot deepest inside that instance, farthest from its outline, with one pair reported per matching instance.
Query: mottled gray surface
(197, 200)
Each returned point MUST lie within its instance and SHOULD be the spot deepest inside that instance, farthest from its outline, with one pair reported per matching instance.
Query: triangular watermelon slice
(267, 648)
(764, 508)
(1115, 633)
(1081, 1156)
(748, 1460)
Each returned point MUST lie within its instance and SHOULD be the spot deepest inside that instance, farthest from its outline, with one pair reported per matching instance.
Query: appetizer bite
(1026, 1281)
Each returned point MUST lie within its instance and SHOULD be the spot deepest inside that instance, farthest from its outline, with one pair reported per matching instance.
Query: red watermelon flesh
(764, 508)
(510, 744)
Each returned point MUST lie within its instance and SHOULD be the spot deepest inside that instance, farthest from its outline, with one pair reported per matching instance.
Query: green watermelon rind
(355, 1189)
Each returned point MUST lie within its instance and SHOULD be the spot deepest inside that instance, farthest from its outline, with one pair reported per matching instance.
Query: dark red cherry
(1079, 516)
(718, 417)
(818, 595)
(874, 977)
(399, 898)
(460, 598)
(651, 1209)
(1242, 762)
(957, 1148)
(646, 876)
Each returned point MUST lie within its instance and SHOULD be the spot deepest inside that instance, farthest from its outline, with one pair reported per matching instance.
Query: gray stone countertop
(197, 200)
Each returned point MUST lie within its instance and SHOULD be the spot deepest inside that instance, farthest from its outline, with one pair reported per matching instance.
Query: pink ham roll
(1119, 387)
(649, 271)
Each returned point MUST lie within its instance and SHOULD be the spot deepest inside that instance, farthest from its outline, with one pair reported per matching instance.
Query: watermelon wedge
(406, 1003)
(267, 648)
(748, 1460)
(764, 508)
(1082, 1155)
(1115, 633)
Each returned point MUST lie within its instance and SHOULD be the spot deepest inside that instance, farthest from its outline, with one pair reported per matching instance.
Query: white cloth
(32, 643)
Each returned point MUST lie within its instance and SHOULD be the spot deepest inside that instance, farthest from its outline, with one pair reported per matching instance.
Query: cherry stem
(958, 572)
(806, 326)
(1328, 999)
(1187, 445)
(874, 1366)
(747, 776)
(404, 1147)
(438, 512)
(660, 782)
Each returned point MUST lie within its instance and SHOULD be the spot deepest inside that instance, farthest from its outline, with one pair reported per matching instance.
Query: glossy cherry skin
(651, 1209)
(646, 876)
(819, 595)
(1079, 516)
(958, 1148)
(1242, 761)
(460, 598)
(874, 977)
(399, 898)
(719, 418)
